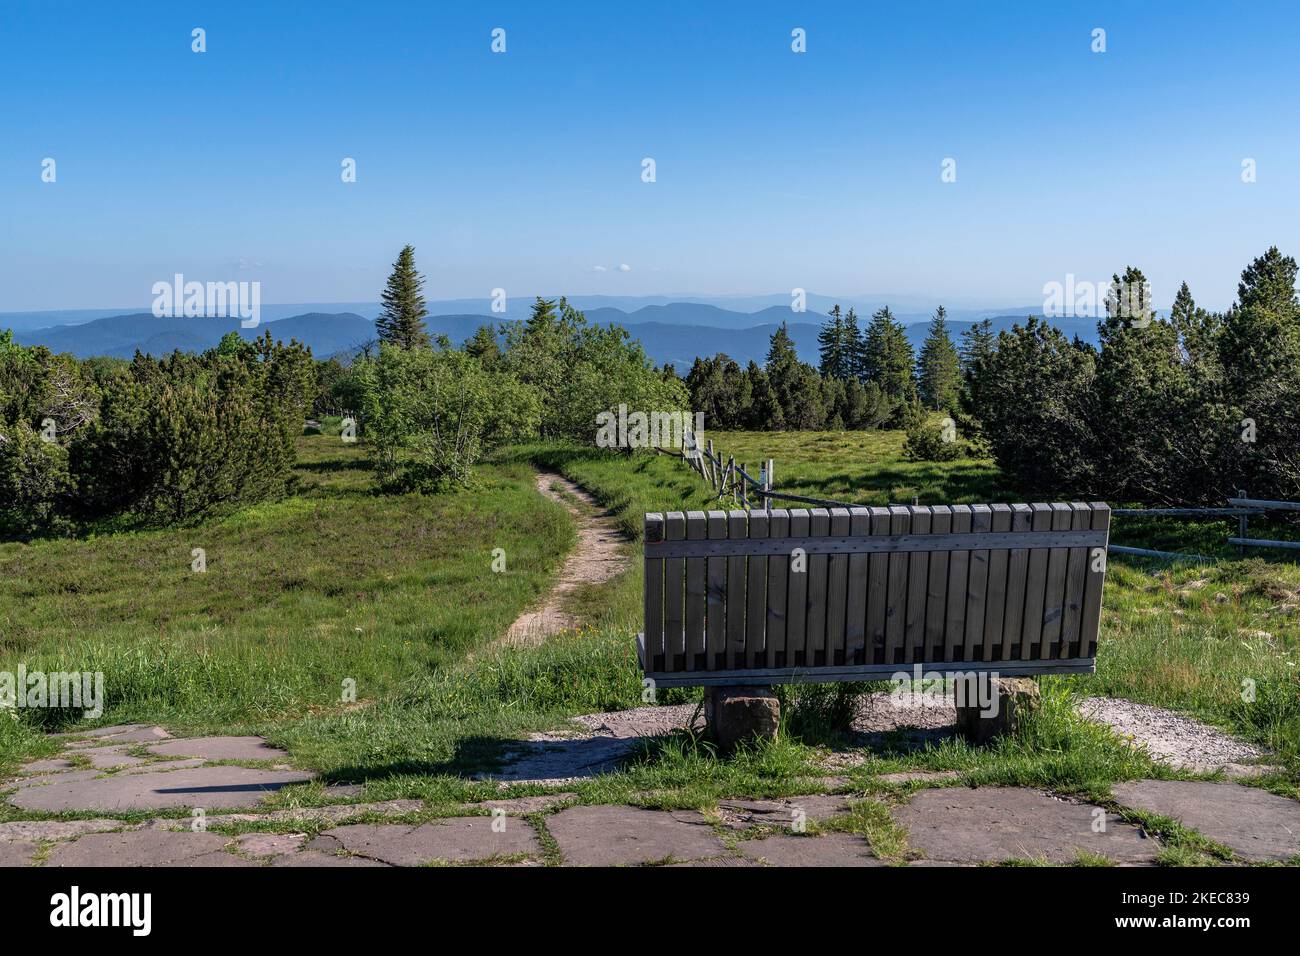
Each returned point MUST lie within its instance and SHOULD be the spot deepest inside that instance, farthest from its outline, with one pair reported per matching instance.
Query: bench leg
(989, 706)
(737, 714)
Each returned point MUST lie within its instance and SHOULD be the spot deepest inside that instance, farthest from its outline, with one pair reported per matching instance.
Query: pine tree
(1196, 327)
(939, 370)
(830, 342)
(887, 357)
(401, 322)
(852, 347)
(483, 346)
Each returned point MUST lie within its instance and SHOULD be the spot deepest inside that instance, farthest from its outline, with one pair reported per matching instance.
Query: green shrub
(191, 435)
(430, 414)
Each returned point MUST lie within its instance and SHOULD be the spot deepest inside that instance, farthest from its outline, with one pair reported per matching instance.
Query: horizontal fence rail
(1265, 505)
(1264, 543)
(1150, 553)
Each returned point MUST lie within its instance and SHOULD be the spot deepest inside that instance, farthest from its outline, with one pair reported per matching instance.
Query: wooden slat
(1081, 518)
(900, 522)
(977, 582)
(936, 590)
(917, 577)
(885, 544)
(756, 596)
(716, 607)
(1058, 560)
(796, 605)
(737, 527)
(674, 570)
(855, 646)
(819, 524)
(696, 592)
(837, 591)
(1031, 633)
(995, 604)
(954, 627)
(1022, 519)
(654, 597)
(1091, 617)
(778, 572)
(878, 590)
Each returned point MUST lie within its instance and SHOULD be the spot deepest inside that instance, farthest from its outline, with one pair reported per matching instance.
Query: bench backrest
(862, 593)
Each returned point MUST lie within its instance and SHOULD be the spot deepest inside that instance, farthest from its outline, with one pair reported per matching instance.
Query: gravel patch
(1168, 736)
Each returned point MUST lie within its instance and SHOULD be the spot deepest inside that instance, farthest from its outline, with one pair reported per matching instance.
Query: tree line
(866, 379)
(1183, 409)
(150, 440)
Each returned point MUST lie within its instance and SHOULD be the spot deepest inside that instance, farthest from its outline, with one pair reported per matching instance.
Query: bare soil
(598, 556)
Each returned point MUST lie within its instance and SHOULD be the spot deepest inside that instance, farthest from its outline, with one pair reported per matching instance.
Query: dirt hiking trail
(596, 558)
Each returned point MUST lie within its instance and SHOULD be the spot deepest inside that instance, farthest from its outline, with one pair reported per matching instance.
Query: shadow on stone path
(942, 825)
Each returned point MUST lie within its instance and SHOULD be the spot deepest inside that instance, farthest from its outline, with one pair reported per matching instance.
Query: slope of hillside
(122, 335)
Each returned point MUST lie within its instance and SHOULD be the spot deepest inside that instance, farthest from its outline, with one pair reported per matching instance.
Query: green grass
(262, 641)
(1184, 636)
(865, 468)
(336, 583)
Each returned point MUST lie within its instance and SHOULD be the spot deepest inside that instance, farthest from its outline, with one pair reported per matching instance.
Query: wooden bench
(849, 594)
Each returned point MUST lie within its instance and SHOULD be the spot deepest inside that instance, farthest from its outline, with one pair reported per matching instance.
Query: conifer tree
(887, 357)
(483, 346)
(939, 370)
(401, 322)
(852, 347)
(830, 343)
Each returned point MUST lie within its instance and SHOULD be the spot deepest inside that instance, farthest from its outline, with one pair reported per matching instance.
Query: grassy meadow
(395, 592)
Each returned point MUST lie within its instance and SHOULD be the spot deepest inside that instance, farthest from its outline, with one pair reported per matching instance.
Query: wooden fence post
(1243, 523)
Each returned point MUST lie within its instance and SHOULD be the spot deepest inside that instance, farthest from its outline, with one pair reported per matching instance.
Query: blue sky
(522, 170)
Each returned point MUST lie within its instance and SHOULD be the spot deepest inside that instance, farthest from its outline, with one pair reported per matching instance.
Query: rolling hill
(671, 333)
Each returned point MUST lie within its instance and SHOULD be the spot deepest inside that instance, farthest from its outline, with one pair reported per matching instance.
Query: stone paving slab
(331, 813)
(521, 805)
(992, 824)
(45, 779)
(739, 814)
(161, 766)
(1254, 823)
(130, 734)
(562, 761)
(19, 830)
(269, 844)
(16, 853)
(112, 758)
(101, 731)
(618, 835)
(833, 849)
(52, 765)
(220, 748)
(145, 848)
(455, 840)
(216, 787)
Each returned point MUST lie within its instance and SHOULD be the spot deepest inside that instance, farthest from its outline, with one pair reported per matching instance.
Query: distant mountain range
(122, 335)
(674, 332)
